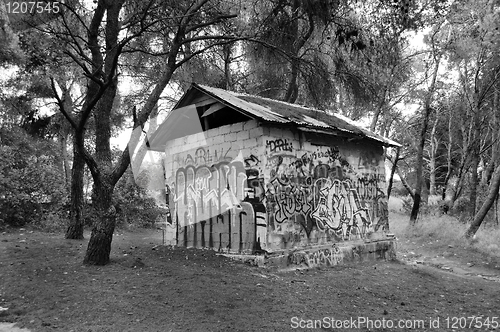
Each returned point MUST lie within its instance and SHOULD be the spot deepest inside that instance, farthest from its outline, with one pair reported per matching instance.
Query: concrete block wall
(246, 187)
(210, 202)
(320, 192)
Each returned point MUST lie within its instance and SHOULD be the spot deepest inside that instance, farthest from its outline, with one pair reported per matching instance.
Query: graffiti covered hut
(247, 174)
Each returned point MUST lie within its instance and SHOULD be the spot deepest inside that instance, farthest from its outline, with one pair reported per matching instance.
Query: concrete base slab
(325, 255)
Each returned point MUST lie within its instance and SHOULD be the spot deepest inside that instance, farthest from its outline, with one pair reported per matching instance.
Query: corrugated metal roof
(277, 111)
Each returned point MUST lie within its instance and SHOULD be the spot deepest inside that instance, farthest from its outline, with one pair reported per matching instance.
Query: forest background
(78, 73)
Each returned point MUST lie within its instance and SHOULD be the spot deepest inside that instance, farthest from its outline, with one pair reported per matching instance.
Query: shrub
(31, 178)
(461, 205)
(135, 205)
(407, 204)
(53, 221)
(432, 207)
(398, 189)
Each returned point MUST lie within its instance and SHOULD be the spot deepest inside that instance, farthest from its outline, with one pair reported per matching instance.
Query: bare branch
(216, 20)
(72, 10)
(86, 71)
(191, 12)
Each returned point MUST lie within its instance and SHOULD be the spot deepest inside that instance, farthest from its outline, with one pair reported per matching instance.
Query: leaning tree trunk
(138, 157)
(488, 202)
(379, 110)
(476, 150)
(474, 181)
(405, 183)
(393, 171)
(488, 172)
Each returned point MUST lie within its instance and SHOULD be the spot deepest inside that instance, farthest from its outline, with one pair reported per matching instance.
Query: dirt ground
(45, 287)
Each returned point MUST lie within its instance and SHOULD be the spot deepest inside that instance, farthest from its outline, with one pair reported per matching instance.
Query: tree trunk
(299, 41)
(292, 88)
(449, 156)
(101, 69)
(393, 170)
(473, 184)
(137, 160)
(432, 175)
(488, 171)
(496, 209)
(416, 205)
(227, 51)
(292, 91)
(490, 166)
(378, 111)
(419, 171)
(75, 227)
(99, 247)
(411, 192)
(8, 39)
(465, 159)
(476, 150)
(420, 148)
(488, 202)
(66, 166)
(376, 115)
(432, 157)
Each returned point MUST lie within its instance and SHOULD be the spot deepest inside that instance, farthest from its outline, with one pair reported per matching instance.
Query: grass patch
(441, 232)
(486, 241)
(444, 228)
(395, 204)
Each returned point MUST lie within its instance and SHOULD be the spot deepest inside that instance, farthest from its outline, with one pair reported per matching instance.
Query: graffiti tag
(339, 208)
(323, 257)
(278, 145)
(290, 199)
(252, 161)
(203, 192)
(202, 156)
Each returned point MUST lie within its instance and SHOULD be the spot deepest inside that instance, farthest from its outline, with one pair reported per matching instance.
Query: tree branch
(61, 104)
(218, 19)
(191, 12)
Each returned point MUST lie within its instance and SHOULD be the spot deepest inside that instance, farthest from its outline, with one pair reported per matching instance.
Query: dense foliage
(136, 205)
(32, 182)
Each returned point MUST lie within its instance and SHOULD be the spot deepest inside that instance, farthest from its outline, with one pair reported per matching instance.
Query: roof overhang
(185, 110)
